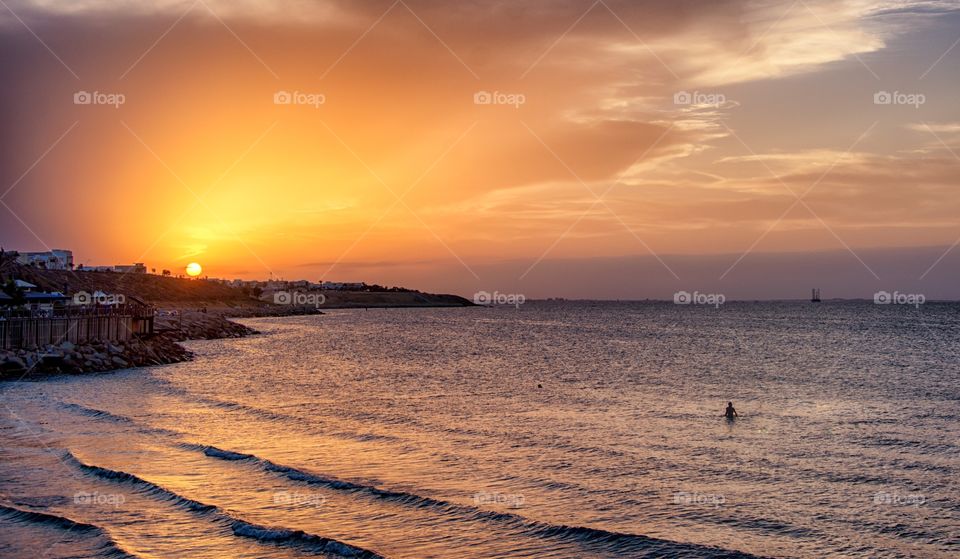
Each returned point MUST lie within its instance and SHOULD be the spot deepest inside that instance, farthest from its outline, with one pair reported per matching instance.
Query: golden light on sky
(611, 149)
(193, 269)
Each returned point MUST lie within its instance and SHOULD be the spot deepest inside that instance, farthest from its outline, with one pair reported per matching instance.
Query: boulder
(12, 363)
(51, 359)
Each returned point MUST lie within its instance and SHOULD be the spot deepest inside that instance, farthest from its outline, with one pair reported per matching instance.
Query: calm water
(424, 434)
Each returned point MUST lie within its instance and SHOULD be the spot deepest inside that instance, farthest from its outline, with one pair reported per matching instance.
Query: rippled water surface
(557, 430)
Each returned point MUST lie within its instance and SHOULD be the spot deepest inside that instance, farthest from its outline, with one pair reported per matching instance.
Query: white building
(135, 268)
(343, 286)
(56, 259)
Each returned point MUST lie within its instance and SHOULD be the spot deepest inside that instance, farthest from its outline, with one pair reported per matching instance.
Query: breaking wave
(614, 541)
(239, 527)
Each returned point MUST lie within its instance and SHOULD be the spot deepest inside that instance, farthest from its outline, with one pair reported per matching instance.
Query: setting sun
(194, 269)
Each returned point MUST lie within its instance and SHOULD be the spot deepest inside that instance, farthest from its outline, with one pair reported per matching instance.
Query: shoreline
(184, 310)
(174, 325)
(161, 348)
(104, 356)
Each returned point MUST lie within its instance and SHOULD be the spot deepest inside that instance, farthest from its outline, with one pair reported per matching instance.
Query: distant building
(24, 285)
(137, 268)
(40, 297)
(342, 286)
(31, 298)
(56, 259)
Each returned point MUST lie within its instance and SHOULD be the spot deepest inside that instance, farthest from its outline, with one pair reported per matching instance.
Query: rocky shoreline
(176, 323)
(187, 310)
(98, 357)
(199, 325)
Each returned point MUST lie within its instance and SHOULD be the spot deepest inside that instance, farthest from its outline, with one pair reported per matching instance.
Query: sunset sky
(591, 175)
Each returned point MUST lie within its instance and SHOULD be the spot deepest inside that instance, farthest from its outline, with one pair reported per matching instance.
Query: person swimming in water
(731, 411)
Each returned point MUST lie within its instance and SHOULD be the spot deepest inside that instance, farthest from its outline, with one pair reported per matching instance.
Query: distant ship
(815, 296)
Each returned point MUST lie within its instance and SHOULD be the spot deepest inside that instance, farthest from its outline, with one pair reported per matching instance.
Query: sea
(539, 430)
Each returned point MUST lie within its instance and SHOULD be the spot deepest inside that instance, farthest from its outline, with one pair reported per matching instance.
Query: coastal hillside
(190, 310)
(158, 290)
(174, 292)
(357, 299)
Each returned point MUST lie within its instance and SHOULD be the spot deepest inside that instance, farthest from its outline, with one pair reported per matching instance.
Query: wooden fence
(35, 332)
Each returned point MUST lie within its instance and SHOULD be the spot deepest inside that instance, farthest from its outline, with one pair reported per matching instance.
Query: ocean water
(556, 430)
